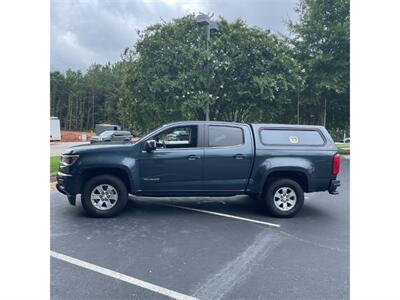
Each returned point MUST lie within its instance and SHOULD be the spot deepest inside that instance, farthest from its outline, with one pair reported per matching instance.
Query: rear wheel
(284, 198)
(104, 196)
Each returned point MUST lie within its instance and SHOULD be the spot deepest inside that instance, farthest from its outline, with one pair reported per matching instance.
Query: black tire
(115, 182)
(270, 202)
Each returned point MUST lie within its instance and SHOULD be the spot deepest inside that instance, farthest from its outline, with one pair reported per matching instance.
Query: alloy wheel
(285, 198)
(104, 197)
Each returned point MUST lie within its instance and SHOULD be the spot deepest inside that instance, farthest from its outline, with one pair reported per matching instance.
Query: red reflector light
(336, 164)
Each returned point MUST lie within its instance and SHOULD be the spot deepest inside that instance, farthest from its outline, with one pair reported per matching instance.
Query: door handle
(193, 157)
(239, 156)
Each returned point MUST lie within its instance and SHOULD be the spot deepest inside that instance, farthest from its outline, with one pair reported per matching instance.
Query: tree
(248, 75)
(321, 40)
(251, 75)
(81, 100)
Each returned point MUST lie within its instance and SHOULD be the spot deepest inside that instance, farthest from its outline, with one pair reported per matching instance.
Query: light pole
(298, 107)
(325, 112)
(211, 26)
(121, 111)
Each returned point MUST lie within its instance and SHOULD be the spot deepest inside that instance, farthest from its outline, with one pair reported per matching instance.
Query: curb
(52, 186)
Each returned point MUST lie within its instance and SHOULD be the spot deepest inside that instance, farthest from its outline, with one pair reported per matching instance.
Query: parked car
(273, 164)
(115, 136)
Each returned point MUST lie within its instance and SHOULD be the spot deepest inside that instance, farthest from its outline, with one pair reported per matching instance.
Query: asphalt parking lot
(201, 255)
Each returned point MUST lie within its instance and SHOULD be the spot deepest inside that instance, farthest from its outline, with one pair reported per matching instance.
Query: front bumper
(66, 185)
(333, 185)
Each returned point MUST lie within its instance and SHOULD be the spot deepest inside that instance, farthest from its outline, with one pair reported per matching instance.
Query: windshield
(149, 134)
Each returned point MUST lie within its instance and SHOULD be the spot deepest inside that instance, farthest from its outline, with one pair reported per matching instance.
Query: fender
(289, 164)
(124, 164)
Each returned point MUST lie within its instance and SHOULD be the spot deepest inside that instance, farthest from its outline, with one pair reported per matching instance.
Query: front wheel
(104, 196)
(284, 198)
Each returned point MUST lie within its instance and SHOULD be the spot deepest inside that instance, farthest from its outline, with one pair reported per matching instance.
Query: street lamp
(211, 27)
(203, 19)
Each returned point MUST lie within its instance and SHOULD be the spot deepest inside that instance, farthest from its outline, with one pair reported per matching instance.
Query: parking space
(203, 255)
(67, 283)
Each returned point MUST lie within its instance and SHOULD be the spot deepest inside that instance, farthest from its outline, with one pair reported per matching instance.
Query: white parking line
(122, 277)
(224, 215)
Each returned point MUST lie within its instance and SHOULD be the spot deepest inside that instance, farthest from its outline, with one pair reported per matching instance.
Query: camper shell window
(290, 137)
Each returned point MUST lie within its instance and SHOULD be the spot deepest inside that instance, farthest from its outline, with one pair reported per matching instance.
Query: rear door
(227, 158)
(117, 137)
(121, 137)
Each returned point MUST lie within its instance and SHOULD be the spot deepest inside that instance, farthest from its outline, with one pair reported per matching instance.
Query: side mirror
(150, 145)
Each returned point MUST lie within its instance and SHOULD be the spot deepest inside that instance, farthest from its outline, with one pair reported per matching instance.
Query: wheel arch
(298, 175)
(118, 172)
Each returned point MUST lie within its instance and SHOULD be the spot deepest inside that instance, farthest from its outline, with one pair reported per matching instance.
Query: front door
(176, 166)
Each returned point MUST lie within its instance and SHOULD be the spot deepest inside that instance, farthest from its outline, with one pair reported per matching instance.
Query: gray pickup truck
(273, 164)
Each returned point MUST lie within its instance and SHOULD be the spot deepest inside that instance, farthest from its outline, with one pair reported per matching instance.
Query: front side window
(177, 137)
(225, 136)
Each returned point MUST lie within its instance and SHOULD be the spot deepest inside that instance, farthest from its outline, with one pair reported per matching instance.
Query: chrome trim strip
(63, 174)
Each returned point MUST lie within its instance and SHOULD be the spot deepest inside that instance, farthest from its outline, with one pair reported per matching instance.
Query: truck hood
(97, 148)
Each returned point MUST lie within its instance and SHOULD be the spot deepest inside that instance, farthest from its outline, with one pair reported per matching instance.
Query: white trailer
(55, 132)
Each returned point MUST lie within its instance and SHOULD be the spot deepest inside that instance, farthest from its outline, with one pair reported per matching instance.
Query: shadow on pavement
(242, 206)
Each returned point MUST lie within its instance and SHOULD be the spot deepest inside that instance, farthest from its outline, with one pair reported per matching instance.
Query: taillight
(336, 164)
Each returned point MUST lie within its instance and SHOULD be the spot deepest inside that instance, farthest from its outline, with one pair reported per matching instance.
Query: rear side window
(224, 136)
(291, 137)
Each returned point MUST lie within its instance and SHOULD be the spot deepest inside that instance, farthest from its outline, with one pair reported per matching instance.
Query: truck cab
(273, 164)
(210, 159)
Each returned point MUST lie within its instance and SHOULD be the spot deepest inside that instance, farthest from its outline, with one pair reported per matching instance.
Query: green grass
(343, 148)
(54, 165)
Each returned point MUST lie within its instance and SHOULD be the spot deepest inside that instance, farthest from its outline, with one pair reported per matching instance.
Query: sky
(84, 32)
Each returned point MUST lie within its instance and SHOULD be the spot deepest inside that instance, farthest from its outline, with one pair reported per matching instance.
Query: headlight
(69, 159)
